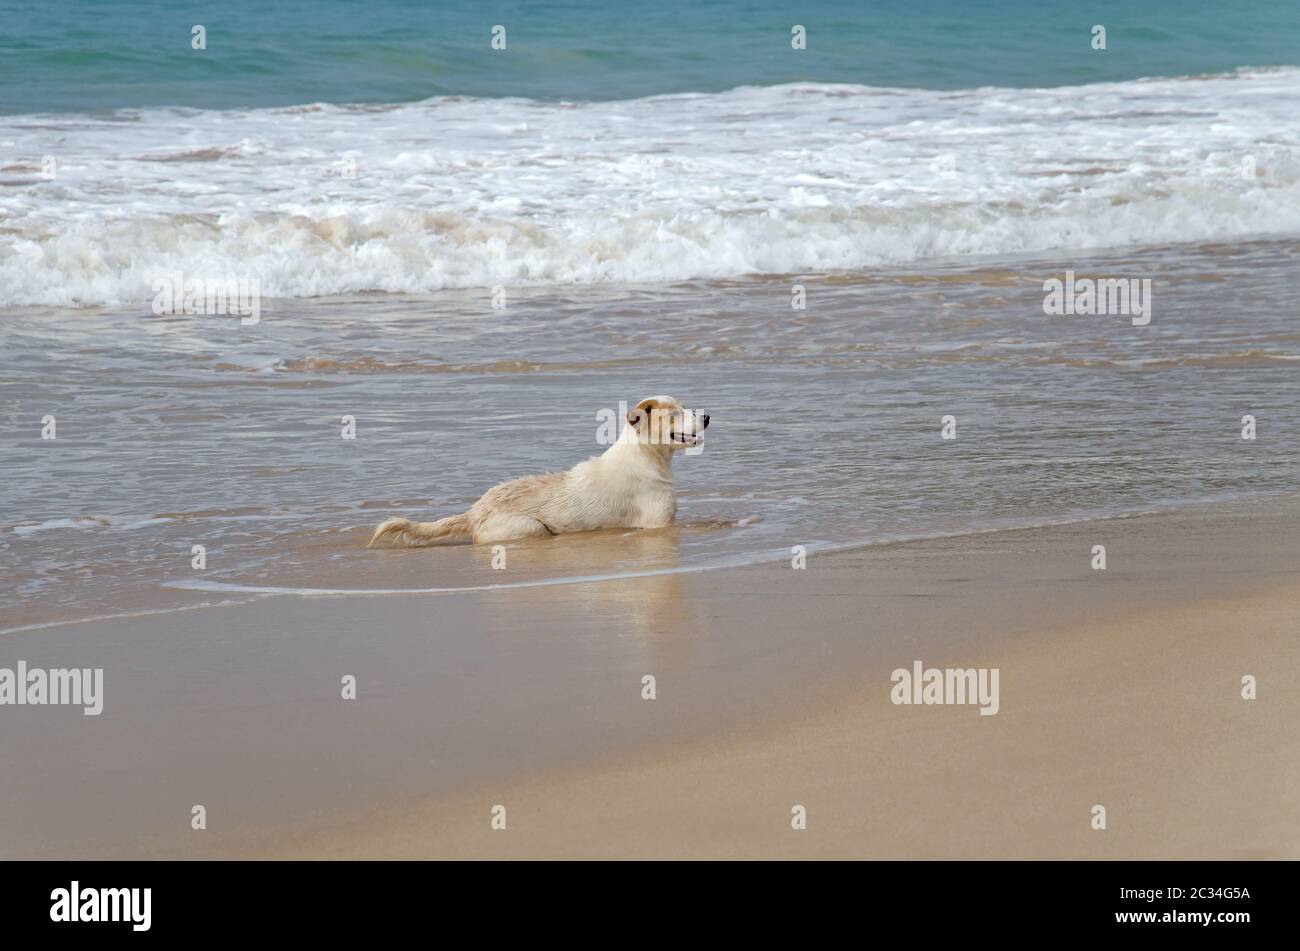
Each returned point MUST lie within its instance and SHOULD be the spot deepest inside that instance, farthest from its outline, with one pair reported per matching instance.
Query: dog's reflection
(651, 606)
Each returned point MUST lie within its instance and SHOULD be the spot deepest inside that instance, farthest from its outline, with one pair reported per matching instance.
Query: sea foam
(455, 192)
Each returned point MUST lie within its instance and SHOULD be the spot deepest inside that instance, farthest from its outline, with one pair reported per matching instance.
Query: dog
(630, 485)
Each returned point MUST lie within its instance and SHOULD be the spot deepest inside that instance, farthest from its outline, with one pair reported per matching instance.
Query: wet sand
(1118, 687)
(1184, 766)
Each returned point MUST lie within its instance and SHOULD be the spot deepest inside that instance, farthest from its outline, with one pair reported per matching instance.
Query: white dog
(629, 486)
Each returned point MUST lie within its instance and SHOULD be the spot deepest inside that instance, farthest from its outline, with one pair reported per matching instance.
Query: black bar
(926, 900)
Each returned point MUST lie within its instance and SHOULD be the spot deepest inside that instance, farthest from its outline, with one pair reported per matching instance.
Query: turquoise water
(75, 55)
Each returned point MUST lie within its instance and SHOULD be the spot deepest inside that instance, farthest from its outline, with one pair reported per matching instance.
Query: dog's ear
(642, 411)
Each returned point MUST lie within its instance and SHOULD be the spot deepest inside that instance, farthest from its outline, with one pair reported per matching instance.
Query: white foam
(44, 625)
(734, 560)
(456, 192)
(77, 521)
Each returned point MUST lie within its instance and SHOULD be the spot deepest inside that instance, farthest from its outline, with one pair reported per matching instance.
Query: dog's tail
(407, 534)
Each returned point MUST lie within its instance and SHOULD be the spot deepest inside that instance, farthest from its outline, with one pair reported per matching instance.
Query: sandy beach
(438, 287)
(1185, 768)
(841, 432)
(1119, 687)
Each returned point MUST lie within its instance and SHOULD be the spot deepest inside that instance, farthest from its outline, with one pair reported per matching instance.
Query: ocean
(92, 55)
(471, 253)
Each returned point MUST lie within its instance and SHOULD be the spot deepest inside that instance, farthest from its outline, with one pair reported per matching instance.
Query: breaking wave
(455, 192)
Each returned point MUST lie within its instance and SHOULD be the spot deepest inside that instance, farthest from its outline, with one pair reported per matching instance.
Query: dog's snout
(705, 417)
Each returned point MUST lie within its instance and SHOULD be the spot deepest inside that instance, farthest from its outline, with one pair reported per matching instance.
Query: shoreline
(241, 593)
(774, 678)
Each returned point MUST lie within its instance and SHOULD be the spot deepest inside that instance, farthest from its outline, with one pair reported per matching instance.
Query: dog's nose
(705, 417)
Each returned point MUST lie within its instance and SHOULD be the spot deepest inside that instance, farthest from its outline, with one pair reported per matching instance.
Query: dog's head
(664, 421)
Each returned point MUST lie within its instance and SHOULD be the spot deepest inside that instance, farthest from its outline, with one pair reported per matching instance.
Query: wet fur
(630, 485)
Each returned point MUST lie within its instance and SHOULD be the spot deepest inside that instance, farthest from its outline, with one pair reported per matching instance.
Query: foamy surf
(78, 522)
(458, 192)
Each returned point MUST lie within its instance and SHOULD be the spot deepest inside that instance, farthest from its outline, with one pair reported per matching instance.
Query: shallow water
(193, 430)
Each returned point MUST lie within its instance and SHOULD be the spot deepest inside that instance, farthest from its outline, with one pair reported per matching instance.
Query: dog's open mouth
(686, 439)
